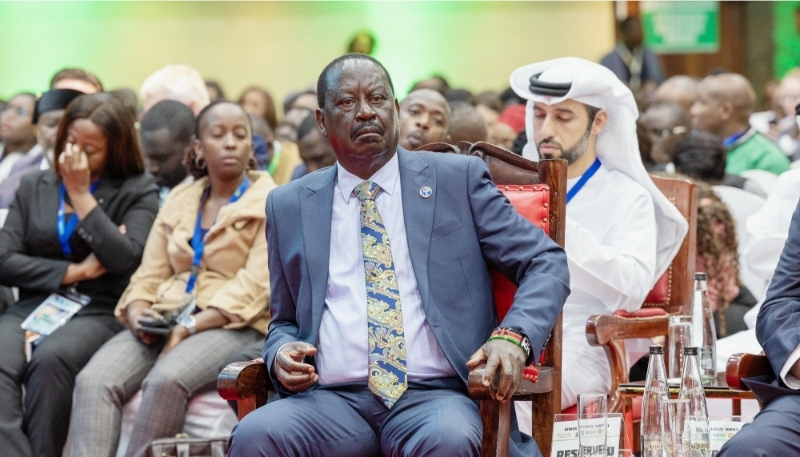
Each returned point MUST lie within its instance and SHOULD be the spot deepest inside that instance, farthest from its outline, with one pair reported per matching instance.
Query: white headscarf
(617, 146)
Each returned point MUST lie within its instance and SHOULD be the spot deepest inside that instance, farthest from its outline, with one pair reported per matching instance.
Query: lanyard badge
(67, 227)
(198, 239)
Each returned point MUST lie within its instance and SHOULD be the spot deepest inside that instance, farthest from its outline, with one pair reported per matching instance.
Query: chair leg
(544, 412)
(496, 418)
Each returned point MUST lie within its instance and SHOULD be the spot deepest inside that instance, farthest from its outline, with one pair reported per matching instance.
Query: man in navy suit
(776, 429)
(381, 293)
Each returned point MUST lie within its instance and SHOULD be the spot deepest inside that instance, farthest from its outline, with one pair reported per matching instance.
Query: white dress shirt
(768, 230)
(342, 347)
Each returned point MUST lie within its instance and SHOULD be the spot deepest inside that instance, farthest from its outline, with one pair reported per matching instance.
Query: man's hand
(506, 357)
(290, 370)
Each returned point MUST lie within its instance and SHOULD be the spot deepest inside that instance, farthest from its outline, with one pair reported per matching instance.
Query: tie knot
(367, 190)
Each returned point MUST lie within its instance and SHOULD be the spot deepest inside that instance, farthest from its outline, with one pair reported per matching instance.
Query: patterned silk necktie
(387, 345)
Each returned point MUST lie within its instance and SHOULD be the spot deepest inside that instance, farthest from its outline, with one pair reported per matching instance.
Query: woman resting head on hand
(207, 250)
(77, 230)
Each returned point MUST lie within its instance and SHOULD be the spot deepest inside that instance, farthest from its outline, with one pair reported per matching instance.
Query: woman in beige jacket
(224, 207)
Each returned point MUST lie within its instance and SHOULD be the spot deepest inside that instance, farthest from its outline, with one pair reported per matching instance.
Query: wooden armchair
(741, 366)
(538, 192)
(672, 294)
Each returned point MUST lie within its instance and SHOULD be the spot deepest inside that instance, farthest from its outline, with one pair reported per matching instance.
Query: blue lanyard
(584, 179)
(199, 237)
(733, 139)
(66, 228)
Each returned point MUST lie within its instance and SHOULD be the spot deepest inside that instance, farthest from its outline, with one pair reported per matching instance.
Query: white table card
(565, 435)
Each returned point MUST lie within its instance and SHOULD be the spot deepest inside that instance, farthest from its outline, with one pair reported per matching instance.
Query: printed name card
(566, 432)
(720, 431)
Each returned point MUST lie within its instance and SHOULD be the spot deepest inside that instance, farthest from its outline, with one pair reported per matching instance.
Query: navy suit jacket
(465, 227)
(778, 325)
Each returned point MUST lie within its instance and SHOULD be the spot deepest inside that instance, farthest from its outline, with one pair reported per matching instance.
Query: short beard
(574, 153)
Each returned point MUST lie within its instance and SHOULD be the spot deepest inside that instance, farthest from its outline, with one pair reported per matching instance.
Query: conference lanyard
(275, 159)
(728, 142)
(584, 179)
(66, 228)
(199, 237)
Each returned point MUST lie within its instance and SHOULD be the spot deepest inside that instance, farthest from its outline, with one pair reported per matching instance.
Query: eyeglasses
(662, 133)
(18, 110)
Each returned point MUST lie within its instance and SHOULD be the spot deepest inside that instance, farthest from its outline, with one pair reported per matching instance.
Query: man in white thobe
(621, 231)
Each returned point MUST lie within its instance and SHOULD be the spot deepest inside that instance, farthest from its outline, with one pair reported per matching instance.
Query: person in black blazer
(99, 179)
(778, 331)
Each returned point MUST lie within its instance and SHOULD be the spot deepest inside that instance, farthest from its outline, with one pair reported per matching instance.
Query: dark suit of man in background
(384, 372)
(778, 331)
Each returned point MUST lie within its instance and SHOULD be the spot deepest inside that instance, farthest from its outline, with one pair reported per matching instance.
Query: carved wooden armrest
(610, 333)
(602, 329)
(496, 416)
(742, 366)
(535, 380)
(246, 383)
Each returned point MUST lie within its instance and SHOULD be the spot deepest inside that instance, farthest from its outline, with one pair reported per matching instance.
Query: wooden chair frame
(248, 384)
(611, 331)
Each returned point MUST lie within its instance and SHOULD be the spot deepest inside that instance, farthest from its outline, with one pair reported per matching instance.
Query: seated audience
(76, 79)
(667, 124)
(621, 231)
(489, 105)
(344, 390)
(47, 116)
(718, 257)
(436, 82)
(701, 157)
(424, 118)
(258, 101)
(79, 229)
(645, 141)
(166, 135)
(287, 129)
(776, 429)
(466, 124)
(508, 127)
(681, 90)
(306, 99)
(724, 104)
(16, 131)
(315, 149)
(784, 130)
(175, 82)
(453, 95)
(207, 245)
(215, 92)
(128, 99)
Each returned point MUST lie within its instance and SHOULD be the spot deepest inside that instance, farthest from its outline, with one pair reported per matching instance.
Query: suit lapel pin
(425, 192)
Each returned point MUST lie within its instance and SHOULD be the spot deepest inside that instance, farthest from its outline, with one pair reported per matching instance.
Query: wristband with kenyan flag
(512, 336)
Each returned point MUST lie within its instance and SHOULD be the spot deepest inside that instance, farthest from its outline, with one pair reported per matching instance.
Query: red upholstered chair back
(538, 191)
(532, 202)
(673, 291)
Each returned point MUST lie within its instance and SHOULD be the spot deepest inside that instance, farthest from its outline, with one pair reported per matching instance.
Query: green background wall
(284, 45)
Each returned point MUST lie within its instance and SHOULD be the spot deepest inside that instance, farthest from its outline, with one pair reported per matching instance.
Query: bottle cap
(690, 351)
(699, 276)
(656, 349)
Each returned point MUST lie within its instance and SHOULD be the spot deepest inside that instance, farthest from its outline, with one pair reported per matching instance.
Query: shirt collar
(386, 177)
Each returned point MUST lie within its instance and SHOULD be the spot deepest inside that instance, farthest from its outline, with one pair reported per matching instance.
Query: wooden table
(631, 390)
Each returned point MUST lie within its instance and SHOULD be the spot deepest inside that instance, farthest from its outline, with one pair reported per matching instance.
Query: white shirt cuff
(789, 379)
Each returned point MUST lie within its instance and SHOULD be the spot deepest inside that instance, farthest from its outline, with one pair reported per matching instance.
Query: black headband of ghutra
(539, 87)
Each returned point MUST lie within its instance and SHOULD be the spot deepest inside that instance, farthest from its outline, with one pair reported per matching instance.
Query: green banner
(681, 27)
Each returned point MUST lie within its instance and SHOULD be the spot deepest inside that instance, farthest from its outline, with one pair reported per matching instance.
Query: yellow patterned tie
(387, 346)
